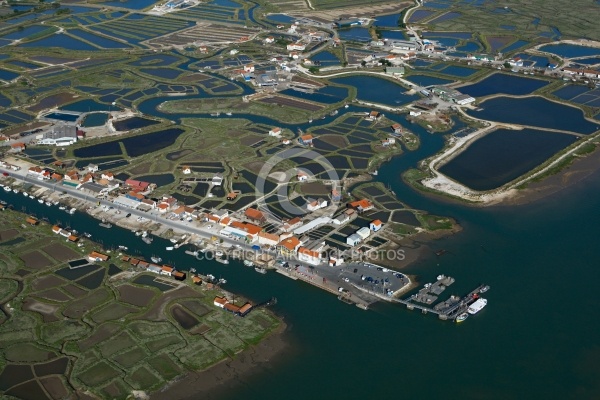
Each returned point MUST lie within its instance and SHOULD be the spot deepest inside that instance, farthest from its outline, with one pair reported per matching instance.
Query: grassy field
(113, 347)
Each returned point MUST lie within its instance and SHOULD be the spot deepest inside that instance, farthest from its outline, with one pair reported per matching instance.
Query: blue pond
(150, 142)
(132, 4)
(398, 35)
(95, 119)
(570, 50)
(99, 150)
(357, 34)
(62, 117)
(167, 73)
(98, 40)
(281, 18)
(159, 180)
(387, 21)
(377, 90)
(502, 83)
(514, 46)
(326, 58)
(469, 47)
(419, 15)
(7, 75)
(89, 105)
(534, 111)
(504, 155)
(30, 30)
(579, 95)
(589, 61)
(426, 80)
(62, 41)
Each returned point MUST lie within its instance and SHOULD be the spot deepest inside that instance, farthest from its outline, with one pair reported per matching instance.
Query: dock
(446, 310)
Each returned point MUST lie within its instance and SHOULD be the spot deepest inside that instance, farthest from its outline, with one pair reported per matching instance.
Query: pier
(447, 310)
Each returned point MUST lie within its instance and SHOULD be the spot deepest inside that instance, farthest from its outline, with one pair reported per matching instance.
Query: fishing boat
(169, 248)
(72, 210)
(48, 203)
(25, 194)
(222, 281)
(55, 202)
(229, 114)
(16, 190)
(7, 188)
(248, 263)
(31, 196)
(310, 121)
(144, 234)
(156, 259)
(484, 289)
(62, 208)
(222, 260)
(147, 240)
(333, 113)
(260, 270)
(173, 240)
(219, 253)
(461, 317)
(346, 106)
(123, 248)
(215, 114)
(87, 235)
(41, 201)
(191, 253)
(138, 233)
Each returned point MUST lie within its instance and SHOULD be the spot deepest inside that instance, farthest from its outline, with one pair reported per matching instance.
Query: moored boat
(260, 270)
(484, 289)
(477, 306)
(48, 203)
(72, 210)
(156, 259)
(41, 201)
(123, 248)
(248, 263)
(462, 317)
(169, 248)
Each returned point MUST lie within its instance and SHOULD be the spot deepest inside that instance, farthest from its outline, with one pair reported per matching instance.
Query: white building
(363, 232)
(353, 239)
(375, 225)
(276, 132)
(309, 256)
(316, 205)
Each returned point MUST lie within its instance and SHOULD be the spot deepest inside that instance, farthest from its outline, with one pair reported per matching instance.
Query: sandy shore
(209, 383)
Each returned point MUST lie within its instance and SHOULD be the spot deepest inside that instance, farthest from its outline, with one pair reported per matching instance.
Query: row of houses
(65, 233)
(223, 303)
(165, 270)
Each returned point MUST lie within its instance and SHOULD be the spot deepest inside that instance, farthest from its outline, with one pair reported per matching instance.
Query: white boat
(346, 106)
(122, 247)
(173, 240)
(462, 317)
(41, 201)
(48, 203)
(427, 285)
(260, 270)
(55, 203)
(219, 253)
(477, 306)
(138, 233)
(7, 188)
(31, 196)
(484, 289)
(222, 260)
(229, 114)
(156, 259)
(147, 240)
(169, 248)
(72, 210)
(16, 190)
(248, 263)
(440, 277)
(62, 208)
(87, 235)
(222, 281)
(25, 194)
(144, 234)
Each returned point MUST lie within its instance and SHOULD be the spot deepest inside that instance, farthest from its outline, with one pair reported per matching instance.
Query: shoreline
(208, 383)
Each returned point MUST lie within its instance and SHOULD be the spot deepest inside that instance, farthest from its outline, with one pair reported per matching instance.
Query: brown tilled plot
(35, 260)
(134, 295)
(60, 252)
(8, 234)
